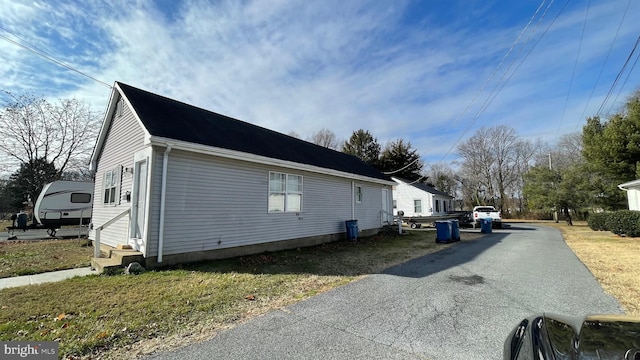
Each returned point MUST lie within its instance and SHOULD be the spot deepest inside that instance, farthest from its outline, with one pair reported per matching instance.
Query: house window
(119, 105)
(417, 206)
(358, 194)
(83, 198)
(111, 186)
(285, 192)
(395, 204)
(437, 205)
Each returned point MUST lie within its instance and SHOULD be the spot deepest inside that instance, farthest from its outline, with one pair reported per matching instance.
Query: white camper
(64, 203)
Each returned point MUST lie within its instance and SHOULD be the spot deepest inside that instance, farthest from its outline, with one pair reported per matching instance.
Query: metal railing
(96, 243)
(386, 215)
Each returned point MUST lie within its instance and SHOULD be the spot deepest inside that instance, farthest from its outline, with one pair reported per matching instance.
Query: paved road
(37, 234)
(459, 303)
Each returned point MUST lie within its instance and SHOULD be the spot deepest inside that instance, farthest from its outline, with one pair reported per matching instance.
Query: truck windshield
(485, 209)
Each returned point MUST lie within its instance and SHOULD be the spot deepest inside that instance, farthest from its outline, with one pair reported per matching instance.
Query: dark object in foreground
(548, 336)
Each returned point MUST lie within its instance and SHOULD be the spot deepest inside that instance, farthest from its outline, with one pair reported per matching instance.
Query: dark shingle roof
(172, 119)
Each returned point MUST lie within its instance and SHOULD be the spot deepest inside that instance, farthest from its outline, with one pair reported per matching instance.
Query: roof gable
(422, 186)
(167, 118)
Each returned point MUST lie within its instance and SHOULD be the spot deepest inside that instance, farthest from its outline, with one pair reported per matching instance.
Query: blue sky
(431, 72)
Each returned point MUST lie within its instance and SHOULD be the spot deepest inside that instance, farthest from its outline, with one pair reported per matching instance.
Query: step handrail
(96, 242)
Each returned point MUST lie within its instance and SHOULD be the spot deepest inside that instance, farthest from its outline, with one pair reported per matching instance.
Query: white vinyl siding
(125, 136)
(404, 197)
(215, 203)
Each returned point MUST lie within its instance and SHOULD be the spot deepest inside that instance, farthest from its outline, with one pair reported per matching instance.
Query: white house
(419, 199)
(633, 193)
(180, 184)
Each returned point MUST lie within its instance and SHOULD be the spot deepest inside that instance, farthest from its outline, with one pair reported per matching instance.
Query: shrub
(623, 222)
(597, 221)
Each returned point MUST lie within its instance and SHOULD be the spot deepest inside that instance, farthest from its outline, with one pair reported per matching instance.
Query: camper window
(80, 198)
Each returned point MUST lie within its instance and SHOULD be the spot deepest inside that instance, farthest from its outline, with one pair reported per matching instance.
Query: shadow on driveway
(447, 258)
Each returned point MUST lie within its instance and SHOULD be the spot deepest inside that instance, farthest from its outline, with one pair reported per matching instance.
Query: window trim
(358, 194)
(415, 208)
(113, 186)
(287, 193)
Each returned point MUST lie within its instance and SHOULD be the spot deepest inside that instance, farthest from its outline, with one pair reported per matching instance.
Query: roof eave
(243, 156)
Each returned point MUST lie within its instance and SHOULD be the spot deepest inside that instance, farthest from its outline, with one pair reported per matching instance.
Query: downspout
(163, 199)
(353, 200)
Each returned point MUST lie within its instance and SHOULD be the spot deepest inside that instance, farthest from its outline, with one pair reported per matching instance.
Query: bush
(624, 222)
(597, 221)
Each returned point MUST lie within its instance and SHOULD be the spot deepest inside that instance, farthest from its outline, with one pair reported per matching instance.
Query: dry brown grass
(612, 259)
(121, 317)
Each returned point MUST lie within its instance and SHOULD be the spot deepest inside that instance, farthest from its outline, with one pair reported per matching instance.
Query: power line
(606, 59)
(575, 66)
(45, 56)
(615, 81)
(495, 93)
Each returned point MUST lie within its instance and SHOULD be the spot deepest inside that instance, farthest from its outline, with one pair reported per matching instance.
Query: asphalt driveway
(459, 303)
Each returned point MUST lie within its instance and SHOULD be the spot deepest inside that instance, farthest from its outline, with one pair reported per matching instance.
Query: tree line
(47, 141)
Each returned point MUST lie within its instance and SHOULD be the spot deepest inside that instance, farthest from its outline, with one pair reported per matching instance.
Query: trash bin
(455, 230)
(485, 226)
(352, 229)
(22, 221)
(443, 231)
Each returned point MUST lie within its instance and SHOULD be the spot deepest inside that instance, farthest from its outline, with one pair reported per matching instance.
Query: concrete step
(118, 258)
(102, 264)
(127, 256)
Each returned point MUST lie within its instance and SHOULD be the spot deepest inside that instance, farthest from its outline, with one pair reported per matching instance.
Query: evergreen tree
(401, 160)
(363, 145)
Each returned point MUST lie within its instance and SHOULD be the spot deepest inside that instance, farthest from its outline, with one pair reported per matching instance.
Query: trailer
(464, 217)
(63, 203)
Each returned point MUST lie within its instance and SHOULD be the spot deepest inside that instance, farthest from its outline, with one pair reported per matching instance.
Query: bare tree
(493, 161)
(61, 133)
(326, 138)
(443, 178)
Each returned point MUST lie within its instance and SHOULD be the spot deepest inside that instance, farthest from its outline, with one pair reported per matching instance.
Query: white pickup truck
(484, 212)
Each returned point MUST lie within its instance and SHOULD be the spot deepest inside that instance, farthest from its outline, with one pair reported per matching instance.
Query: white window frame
(417, 206)
(358, 194)
(111, 186)
(119, 106)
(288, 193)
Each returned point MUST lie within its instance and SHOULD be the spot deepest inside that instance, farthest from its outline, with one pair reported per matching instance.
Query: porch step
(117, 259)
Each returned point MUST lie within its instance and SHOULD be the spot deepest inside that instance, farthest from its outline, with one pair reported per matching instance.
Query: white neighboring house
(419, 199)
(633, 193)
(181, 184)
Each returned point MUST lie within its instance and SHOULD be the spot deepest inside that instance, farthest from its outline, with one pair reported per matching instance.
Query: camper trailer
(64, 203)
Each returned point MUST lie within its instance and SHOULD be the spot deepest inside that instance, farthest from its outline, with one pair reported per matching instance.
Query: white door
(139, 204)
(385, 206)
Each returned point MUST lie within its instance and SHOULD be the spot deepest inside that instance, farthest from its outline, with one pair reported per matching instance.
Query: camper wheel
(415, 225)
(51, 232)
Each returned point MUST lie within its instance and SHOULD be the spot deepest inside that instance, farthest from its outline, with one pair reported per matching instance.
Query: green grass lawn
(110, 314)
(33, 257)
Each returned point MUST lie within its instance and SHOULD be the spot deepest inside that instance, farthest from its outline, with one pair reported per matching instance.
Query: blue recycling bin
(485, 226)
(352, 229)
(443, 231)
(455, 230)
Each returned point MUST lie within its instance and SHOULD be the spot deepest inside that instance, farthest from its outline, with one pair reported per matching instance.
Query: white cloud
(302, 66)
